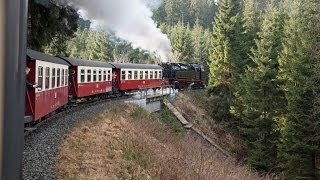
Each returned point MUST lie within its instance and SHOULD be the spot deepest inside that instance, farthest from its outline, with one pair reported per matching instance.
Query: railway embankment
(189, 125)
(194, 108)
(127, 142)
(41, 147)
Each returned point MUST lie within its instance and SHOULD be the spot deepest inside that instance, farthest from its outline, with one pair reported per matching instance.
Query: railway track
(42, 141)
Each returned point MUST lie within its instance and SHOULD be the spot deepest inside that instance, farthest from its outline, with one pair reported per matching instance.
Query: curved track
(42, 142)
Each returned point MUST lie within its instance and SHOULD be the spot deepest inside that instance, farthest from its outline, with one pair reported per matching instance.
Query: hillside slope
(194, 106)
(126, 142)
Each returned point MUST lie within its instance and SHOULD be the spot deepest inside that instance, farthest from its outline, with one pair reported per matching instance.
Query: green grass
(139, 113)
(168, 118)
(133, 154)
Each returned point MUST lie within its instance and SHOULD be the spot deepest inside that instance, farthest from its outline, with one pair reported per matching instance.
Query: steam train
(60, 82)
(182, 75)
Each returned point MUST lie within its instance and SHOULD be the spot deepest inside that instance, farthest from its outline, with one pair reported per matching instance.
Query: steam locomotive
(182, 75)
(60, 82)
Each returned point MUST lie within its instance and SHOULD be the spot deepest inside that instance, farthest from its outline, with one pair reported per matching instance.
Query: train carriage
(51, 75)
(129, 77)
(89, 78)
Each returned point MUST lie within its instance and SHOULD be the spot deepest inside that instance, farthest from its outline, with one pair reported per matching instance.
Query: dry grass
(195, 113)
(126, 142)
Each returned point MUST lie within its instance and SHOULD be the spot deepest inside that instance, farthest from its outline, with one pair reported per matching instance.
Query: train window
(66, 76)
(135, 75)
(160, 74)
(109, 75)
(62, 77)
(89, 75)
(82, 75)
(58, 78)
(94, 75)
(146, 75)
(151, 74)
(156, 74)
(53, 77)
(129, 75)
(123, 73)
(105, 75)
(40, 76)
(47, 73)
(100, 75)
(141, 74)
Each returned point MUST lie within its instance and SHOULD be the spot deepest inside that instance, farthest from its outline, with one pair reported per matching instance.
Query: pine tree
(300, 135)
(91, 44)
(76, 47)
(49, 25)
(252, 18)
(227, 58)
(262, 100)
(181, 41)
(98, 45)
(200, 42)
(172, 12)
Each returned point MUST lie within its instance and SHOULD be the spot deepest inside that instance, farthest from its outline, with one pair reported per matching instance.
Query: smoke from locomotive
(131, 20)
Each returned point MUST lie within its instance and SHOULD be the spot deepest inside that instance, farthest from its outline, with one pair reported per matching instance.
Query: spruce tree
(252, 18)
(181, 41)
(298, 66)
(227, 58)
(262, 100)
(200, 42)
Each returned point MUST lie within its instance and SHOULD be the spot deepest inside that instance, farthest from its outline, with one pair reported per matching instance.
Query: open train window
(146, 75)
(156, 74)
(123, 75)
(94, 75)
(53, 81)
(104, 75)
(66, 76)
(109, 75)
(58, 77)
(62, 77)
(135, 75)
(82, 75)
(100, 75)
(40, 76)
(89, 75)
(160, 74)
(129, 75)
(141, 74)
(151, 74)
(47, 80)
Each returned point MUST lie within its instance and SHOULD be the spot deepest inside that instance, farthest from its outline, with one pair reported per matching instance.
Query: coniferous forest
(263, 59)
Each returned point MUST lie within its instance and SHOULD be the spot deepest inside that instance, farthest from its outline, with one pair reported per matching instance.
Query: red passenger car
(129, 77)
(89, 78)
(51, 75)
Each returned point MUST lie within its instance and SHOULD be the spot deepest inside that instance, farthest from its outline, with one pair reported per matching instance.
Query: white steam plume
(130, 20)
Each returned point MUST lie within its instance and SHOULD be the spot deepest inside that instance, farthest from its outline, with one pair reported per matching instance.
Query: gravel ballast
(42, 145)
